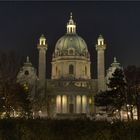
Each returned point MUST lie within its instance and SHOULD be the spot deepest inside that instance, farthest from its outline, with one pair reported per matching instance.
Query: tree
(23, 103)
(12, 95)
(43, 100)
(132, 76)
(104, 99)
(116, 97)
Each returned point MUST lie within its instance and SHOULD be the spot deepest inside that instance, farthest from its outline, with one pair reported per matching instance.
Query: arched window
(71, 29)
(26, 72)
(101, 42)
(71, 69)
(70, 52)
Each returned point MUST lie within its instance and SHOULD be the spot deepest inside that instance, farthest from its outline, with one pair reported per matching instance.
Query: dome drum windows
(65, 52)
(57, 53)
(71, 51)
(71, 69)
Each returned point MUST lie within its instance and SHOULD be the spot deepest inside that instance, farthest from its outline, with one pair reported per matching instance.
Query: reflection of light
(127, 105)
(128, 113)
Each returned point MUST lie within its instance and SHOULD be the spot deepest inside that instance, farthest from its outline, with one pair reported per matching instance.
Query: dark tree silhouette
(116, 97)
(12, 95)
(132, 76)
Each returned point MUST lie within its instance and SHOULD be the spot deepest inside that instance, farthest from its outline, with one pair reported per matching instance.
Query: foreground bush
(40, 129)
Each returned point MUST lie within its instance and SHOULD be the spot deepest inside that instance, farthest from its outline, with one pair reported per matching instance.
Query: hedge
(40, 129)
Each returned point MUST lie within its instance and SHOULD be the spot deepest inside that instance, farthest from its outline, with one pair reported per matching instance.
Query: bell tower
(42, 47)
(100, 48)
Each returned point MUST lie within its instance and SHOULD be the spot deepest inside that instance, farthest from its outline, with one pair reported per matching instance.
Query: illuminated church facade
(71, 87)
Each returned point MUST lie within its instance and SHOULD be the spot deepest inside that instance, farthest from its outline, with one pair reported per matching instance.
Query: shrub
(40, 129)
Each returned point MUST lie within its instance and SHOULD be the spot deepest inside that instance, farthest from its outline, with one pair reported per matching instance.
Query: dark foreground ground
(40, 129)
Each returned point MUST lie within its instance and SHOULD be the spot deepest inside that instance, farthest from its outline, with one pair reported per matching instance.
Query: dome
(71, 42)
(71, 59)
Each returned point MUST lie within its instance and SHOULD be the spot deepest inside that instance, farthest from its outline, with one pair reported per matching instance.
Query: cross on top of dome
(70, 15)
(71, 20)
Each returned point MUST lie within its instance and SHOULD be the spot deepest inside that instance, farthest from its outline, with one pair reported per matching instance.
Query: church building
(71, 90)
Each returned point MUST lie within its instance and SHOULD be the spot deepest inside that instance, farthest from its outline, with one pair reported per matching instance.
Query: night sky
(22, 23)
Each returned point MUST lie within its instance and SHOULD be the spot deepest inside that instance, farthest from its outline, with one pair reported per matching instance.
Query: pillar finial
(27, 59)
(42, 42)
(115, 59)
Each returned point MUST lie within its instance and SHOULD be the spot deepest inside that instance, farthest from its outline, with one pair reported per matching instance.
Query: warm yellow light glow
(100, 40)
(42, 41)
(58, 104)
(39, 111)
(64, 104)
(90, 100)
(78, 104)
(84, 104)
(71, 27)
(127, 105)
(129, 113)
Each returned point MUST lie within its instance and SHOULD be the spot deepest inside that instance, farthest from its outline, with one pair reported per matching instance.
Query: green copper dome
(71, 42)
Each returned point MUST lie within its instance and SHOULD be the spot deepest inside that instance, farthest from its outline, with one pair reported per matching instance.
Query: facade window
(42, 42)
(71, 29)
(71, 69)
(26, 72)
(70, 52)
(101, 43)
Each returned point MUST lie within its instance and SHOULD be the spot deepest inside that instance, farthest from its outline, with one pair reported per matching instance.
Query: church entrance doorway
(71, 108)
